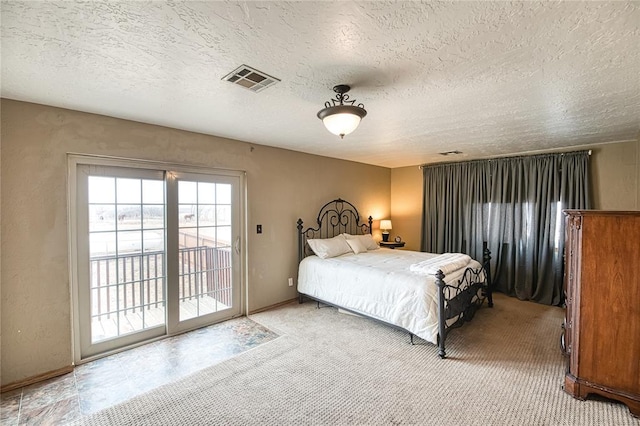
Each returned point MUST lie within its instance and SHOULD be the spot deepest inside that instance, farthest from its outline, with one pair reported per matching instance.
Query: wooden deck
(107, 328)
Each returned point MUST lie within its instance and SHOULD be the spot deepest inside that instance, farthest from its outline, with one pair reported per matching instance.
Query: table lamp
(385, 225)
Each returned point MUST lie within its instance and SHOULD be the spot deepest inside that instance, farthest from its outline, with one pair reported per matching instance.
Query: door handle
(237, 245)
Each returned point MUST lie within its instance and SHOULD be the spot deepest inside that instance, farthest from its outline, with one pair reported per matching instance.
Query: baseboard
(35, 379)
(268, 308)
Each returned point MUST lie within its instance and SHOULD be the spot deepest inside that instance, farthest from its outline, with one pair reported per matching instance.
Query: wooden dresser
(602, 287)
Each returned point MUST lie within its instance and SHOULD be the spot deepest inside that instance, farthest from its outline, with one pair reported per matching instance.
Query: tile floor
(108, 381)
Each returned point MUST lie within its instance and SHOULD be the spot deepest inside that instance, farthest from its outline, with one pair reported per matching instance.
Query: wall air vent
(250, 78)
(451, 153)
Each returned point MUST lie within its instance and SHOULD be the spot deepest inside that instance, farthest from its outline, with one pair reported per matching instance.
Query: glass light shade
(341, 124)
(385, 224)
(341, 119)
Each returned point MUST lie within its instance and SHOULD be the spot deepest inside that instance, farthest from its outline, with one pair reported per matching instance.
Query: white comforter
(379, 284)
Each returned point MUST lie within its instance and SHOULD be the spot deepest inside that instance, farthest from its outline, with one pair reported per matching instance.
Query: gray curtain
(514, 205)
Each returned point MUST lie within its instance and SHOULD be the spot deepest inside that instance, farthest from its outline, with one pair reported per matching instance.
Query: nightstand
(391, 244)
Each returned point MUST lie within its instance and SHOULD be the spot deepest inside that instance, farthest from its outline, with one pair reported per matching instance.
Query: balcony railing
(135, 282)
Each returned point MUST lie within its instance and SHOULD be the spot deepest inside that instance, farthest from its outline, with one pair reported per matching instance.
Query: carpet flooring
(329, 368)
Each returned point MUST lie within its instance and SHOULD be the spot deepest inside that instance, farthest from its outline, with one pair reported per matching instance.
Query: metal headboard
(334, 218)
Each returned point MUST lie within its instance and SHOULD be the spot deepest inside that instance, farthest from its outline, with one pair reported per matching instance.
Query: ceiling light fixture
(338, 118)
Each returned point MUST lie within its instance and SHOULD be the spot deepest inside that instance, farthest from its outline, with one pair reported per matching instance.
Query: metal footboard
(458, 303)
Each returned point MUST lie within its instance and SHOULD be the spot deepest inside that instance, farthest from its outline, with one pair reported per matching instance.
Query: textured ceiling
(484, 78)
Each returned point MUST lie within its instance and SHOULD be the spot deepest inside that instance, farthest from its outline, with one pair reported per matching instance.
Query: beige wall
(615, 172)
(36, 308)
(615, 182)
(406, 205)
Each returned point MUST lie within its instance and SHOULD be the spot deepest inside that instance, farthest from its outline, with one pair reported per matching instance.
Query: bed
(425, 294)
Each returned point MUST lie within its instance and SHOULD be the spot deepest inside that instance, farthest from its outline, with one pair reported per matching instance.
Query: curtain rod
(422, 166)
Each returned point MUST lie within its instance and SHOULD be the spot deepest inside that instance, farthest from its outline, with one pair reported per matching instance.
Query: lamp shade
(342, 120)
(341, 116)
(385, 224)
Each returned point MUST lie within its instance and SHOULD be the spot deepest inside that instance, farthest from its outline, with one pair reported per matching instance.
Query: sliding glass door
(206, 249)
(155, 251)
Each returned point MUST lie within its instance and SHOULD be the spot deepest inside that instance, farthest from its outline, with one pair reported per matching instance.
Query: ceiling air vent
(250, 78)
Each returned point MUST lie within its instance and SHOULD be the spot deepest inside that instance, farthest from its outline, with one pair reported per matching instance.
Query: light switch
(259, 229)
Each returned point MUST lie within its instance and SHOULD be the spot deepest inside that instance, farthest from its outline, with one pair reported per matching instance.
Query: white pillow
(329, 247)
(357, 245)
(366, 240)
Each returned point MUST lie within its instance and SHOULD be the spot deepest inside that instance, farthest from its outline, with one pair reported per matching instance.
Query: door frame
(75, 159)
